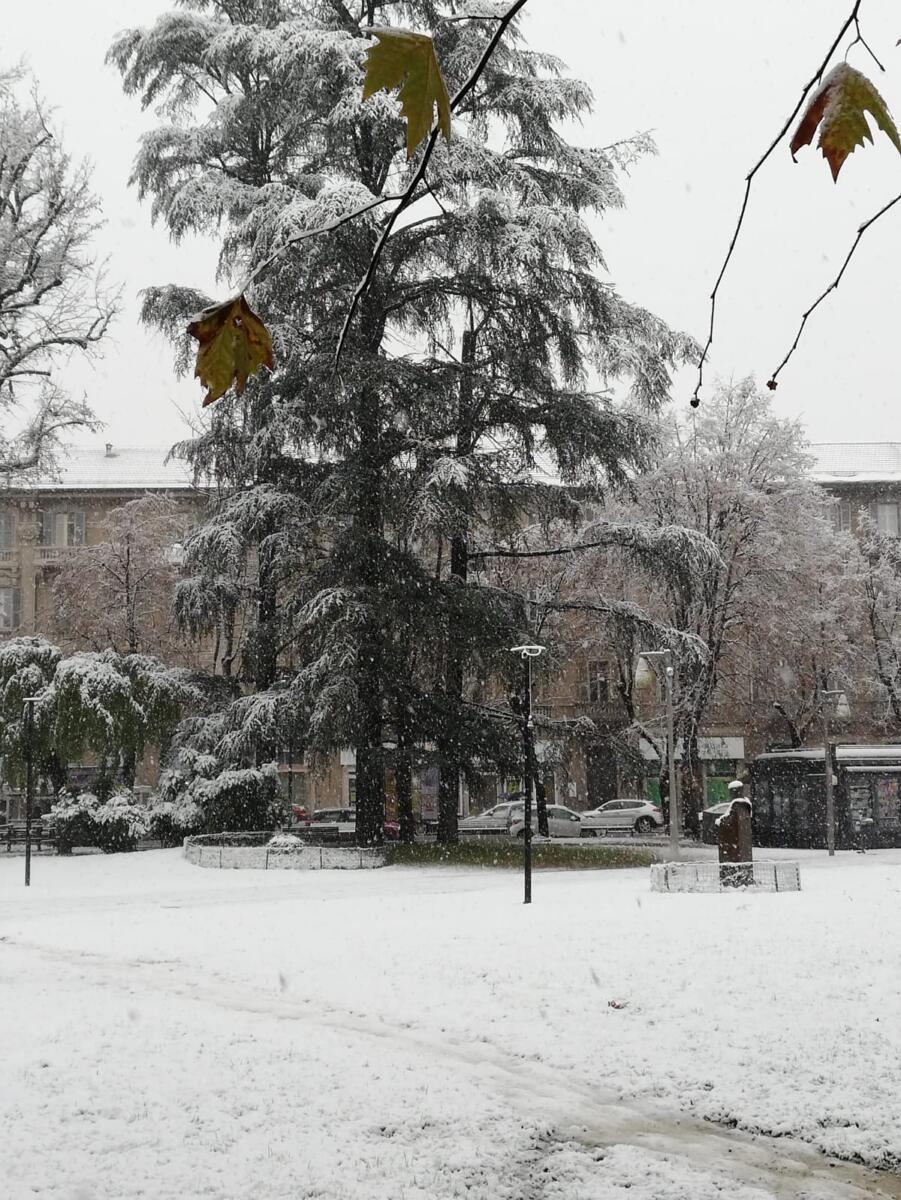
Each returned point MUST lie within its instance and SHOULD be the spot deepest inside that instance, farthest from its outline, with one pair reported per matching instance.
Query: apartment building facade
(43, 520)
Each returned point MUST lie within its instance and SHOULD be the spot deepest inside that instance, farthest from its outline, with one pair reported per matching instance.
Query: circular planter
(251, 851)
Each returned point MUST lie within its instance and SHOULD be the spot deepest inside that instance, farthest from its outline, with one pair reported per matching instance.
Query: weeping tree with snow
(27, 668)
(105, 704)
(466, 350)
(53, 299)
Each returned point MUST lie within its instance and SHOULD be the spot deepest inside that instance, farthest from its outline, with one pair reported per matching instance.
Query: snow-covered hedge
(85, 820)
(171, 821)
(210, 799)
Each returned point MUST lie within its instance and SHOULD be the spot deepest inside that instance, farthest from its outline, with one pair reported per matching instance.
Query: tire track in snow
(571, 1107)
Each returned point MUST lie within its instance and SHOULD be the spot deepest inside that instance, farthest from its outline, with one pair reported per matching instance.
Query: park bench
(14, 835)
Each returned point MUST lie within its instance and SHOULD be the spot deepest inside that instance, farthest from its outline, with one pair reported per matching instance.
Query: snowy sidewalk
(418, 1033)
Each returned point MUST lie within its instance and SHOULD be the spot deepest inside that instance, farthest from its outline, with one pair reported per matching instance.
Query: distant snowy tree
(590, 594)
(53, 299)
(737, 473)
(875, 572)
(118, 593)
(471, 355)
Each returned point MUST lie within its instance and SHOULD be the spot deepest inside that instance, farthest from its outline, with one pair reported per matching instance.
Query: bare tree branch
(771, 384)
(814, 80)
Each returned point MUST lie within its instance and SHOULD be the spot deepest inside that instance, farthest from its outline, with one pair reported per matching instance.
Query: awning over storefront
(710, 749)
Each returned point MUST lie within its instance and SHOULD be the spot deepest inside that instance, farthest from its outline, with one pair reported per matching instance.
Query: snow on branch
(678, 544)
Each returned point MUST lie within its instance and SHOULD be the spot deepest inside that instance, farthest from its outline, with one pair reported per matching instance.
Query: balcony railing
(50, 554)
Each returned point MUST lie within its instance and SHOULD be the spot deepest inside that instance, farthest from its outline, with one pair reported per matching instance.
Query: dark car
(343, 824)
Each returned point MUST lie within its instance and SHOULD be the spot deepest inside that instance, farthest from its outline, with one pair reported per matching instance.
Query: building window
(75, 529)
(60, 529)
(841, 516)
(9, 609)
(7, 529)
(598, 681)
(46, 527)
(887, 520)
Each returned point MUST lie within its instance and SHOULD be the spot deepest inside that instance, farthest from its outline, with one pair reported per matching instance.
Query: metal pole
(527, 798)
(527, 653)
(830, 798)
(675, 815)
(29, 783)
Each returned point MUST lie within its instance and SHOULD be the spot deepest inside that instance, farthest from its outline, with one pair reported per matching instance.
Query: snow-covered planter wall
(724, 877)
(253, 851)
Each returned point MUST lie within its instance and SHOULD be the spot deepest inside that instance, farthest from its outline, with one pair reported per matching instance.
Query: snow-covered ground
(416, 1034)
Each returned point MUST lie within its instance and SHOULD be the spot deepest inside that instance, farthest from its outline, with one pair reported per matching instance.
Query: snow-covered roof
(105, 467)
(856, 462)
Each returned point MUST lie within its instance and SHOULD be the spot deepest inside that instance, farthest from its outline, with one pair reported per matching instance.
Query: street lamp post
(527, 653)
(647, 661)
(841, 710)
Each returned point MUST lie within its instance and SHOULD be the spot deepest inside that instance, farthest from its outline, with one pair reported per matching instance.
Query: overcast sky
(712, 80)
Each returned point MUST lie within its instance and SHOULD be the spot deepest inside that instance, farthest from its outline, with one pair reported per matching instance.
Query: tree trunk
(370, 815)
(128, 767)
(691, 792)
(403, 783)
(265, 665)
(449, 783)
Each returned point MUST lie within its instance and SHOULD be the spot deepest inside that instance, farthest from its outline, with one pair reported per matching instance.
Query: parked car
(622, 816)
(509, 818)
(561, 822)
(494, 820)
(344, 822)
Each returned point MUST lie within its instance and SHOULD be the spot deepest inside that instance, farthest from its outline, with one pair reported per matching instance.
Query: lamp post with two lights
(527, 653)
(646, 672)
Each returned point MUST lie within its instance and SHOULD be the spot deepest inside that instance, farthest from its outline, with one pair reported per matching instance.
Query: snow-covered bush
(71, 820)
(86, 820)
(285, 841)
(243, 798)
(171, 821)
(120, 823)
(225, 799)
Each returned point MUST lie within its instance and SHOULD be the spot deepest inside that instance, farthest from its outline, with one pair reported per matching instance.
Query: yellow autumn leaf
(233, 345)
(839, 106)
(407, 61)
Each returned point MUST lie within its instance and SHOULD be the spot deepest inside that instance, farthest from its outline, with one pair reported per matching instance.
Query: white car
(509, 818)
(561, 822)
(623, 816)
(494, 820)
